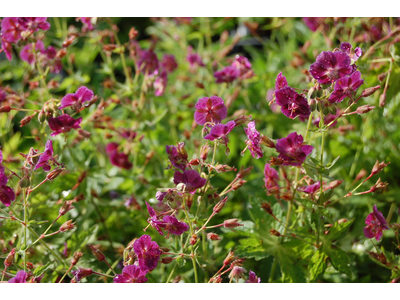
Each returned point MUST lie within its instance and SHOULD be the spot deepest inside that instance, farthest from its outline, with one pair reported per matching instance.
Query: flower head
(311, 189)
(34, 23)
(2, 95)
(11, 29)
(7, 195)
(210, 109)
(168, 63)
(292, 150)
(227, 74)
(292, 104)
(237, 272)
(271, 179)
(253, 141)
(83, 94)
(118, 159)
(131, 274)
(348, 49)
(244, 66)
(376, 223)
(148, 62)
(19, 278)
(160, 83)
(331, 66)
(221, 131)
(346, 87)
(28, 52)
(194, 59)
(174, 226)
(253, 278)
(177, 155)
(191, 179)
(147, 251)
(63, 124)
(46, 157)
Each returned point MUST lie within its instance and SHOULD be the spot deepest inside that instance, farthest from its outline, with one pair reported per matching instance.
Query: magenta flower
(7, 47)
(7, 194)
(348, 49)
(34, 23)
(63, 124)
(46, 157)
(376, 223)
(346, 87)
(313, 23)
(292, 104)
(11, 29)
(148, 252)
(168, 63)
(83, 94)
(82, 273)
(331, 66)
(292, 150)
(177, 155)
(118, 159)
(131, 274)
(271, 179)
(87, 23)
(280, 82)
(2, 95)
(210, 109)
(153, 220)
(221, 131)
(19, 278)
(194, 59)
(253, 278)
(311, 189)
(253, 141)
(244, 66)
(28, 53)
(160, 83)
(174, 226)
(227, 74)
(191, 179)
(148, 62)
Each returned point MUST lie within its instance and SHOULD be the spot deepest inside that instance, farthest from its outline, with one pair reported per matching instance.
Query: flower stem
(62, 278)
(172, 272)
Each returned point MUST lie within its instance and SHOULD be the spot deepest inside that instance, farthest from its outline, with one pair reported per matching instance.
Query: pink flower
(280, 82)
(11, 29)
(7, 194)
(376, 223)
(148, 252)
(153, 220)
(348, 49)
(271, 179)
(87, 23)
(19, 278)
(177, 155)
(210, 109)
(168, 63)
(131, 274)
(160, 83)
(191, 179)
(311, 189)
(253, 278)
(331, 66)
(221, 131)
(174, 226)
(7, 48)
(346, 87)
(46, 157)
(292, 150)
(83, 94)
(253, 141)
(194, 59)
(116, 158)
(148, 62)
(227, 74)
(292, 104)
(28, 54)
(244, 66)
(63, 124)
(34, 23)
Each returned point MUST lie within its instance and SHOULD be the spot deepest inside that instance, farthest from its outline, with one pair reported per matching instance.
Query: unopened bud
(189, 201)
(369, 91)
(96, 252)
(238, 184)
(204, 152)
(361, 174)
(342, 221)
(335, 184)
(193, 239)
(230, 257)
(25, 121)
(224, 168)
(53, 174)
(379, 185)
(364, 109)
(67, 226)
(378, 167)
(313, 104)
(75, 259)
(10, 258)
(25, 182)
(268, 209)
(220, 205)
(213, 236)
(244, 172)
(66, 207)
(5, 109)
(166, 260)
(274, 232)
(163, 249)
(242, 120)
(266, 141)
(232, 223)
(41, 117)
(382, 100)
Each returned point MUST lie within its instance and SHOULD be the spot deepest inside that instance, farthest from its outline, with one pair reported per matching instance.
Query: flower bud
(163, 249)
(189, 201)
(194, 162)
(364, 109)
(29, 265)
(96, 252)
(378, 167)
(193, 239)
(361, 174)
(75, 259)
(230, 257)
(335, 184)
(382, 100)
(274, 232)
(220, 205)
(41, 117)
(204, 152)
(166, 260)
(84, 133)
(213, 236)
(242, 120)
(232, 223)
(224, 168)
(379, 185)
(10, 258)
(67, 226)
(268, 209)
(267, 142)
(25, 121)
(5, 109)
(25, 182)
(238, 184)
(313, 104)
(53, 174)
(66, 207)
(82, 273)
(369, 91)
(243, 173)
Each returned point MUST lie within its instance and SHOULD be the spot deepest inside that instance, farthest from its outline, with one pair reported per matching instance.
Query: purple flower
(313, 23)
(148, 62)
(11, 29)
(153, 220)
(19, 278)
(173, 226)
(331, 66)
(348, 49)
(116, 158)
(51, 60)
(147, 251)
(160, 83)
(191, 179)
(7, 47)
(221, 131)
(210, 109)
(63, 123)
(311, 189)
(194, 59)
(227, 74)
(168, 63)
(82, 273)
(28, 54)
(292, 104)
(83, 94)
(7, 195)
(177, 155)
(34, 23)
(271, 179)
(244, 66)
(376, 223)
(131, 274)
(346, 87)
(46, 157)
(292, 150)
(280, 82)
(87, 23)
(2, 95)
(253, 278)
(253, 141)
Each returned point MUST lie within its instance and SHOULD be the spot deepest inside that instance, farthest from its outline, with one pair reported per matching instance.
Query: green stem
(26, 224)
(172, 272)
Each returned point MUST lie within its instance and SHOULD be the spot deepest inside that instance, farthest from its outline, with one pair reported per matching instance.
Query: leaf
(331, 164)
(181, 261)
(41, 269)
(252, 248)
(33, 222)
(340, 261)
(338, 231)
(311, 172)
(317, 265)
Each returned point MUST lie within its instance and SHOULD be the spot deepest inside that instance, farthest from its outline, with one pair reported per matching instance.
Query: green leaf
(338, 231)
(340, 260)
(252, 248)
(317, 265)
(33, 222)
(331, 164)
(41, 269)
(181, 261)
